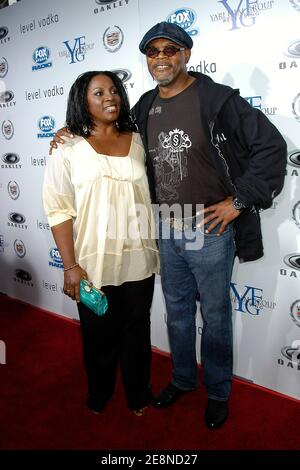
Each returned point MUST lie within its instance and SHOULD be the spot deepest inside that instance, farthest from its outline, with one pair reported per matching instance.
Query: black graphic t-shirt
(184, 171)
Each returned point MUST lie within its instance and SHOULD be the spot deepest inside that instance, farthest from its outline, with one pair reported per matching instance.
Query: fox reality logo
(46, 124)
(41, 58)
(56, 260)
(185, 18)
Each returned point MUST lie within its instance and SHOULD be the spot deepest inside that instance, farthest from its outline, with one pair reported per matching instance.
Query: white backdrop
(250, 45)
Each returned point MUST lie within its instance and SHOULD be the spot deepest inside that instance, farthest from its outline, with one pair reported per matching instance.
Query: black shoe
(94, 405)
(167, 396)
(216, 413)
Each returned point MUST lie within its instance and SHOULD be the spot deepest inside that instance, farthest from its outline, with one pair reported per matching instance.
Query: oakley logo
(292, 354)
(17, 218)
(23, 275)
(104, 1)
(294, 158)
(293, 261)
(3, 32)
(6, 96)
(123, 74)
(10, 158)
(293, 50)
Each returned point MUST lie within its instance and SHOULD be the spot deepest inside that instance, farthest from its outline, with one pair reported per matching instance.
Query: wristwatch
(237, 204)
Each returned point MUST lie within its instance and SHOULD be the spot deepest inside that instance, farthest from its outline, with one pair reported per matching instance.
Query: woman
(95, 191)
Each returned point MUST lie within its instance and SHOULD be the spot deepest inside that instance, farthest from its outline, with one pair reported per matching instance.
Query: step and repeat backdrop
(247, 44)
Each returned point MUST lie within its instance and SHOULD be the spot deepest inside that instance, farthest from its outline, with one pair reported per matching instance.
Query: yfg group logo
(241, 13)
(256, 102)
(19, 248)
(6, 99)
(296, 107)
(108, 5)
(113, 38)
(295, 312)
(3, 67)
(76, 50)
(185, 18)
(13, 190)
(250, 300)
(7, 129)
(46, 124)
(4, 35)
(41, 58)
(56, 260)
(11, 160)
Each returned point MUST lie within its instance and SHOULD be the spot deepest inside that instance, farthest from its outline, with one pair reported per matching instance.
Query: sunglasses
(168, 51)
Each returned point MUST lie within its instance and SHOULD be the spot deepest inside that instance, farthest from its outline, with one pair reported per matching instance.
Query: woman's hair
(78, 116)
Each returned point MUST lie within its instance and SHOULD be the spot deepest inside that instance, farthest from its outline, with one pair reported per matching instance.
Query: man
(205, 145)
(234, 164)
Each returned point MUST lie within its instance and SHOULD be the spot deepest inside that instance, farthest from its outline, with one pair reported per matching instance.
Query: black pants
(121, 336)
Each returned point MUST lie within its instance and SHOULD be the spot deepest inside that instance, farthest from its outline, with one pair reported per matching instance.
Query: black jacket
(247, 150)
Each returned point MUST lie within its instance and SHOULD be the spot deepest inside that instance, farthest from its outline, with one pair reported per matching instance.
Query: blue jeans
(208, 271)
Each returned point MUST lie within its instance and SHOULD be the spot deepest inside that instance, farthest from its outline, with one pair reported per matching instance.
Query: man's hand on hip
(221, 214)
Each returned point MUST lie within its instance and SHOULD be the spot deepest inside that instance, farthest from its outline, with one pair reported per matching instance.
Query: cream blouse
(108, 199)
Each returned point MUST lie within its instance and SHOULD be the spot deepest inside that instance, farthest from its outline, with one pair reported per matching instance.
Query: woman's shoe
(140, 412)
(95, 406)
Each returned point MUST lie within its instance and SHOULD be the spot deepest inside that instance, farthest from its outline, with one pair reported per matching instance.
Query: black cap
(169, 31)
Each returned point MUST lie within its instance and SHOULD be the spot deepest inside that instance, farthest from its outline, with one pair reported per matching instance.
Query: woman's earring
(85, 129)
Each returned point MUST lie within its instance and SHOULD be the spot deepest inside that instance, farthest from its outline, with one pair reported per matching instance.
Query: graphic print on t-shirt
(170, 162)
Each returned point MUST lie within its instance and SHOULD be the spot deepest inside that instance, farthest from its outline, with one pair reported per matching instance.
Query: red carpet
(43, 387)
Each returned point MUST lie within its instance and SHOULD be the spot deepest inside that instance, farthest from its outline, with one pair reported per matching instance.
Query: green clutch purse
(93, 298)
